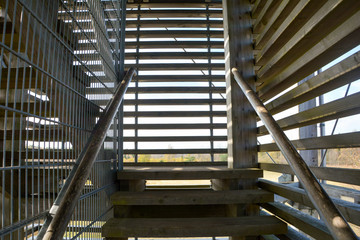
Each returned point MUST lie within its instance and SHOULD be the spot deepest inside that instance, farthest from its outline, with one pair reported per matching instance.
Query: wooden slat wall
(177, 48)
(294, 39)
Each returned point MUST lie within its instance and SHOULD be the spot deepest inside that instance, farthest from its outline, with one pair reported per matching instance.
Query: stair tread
(188, 173)
(191, 197)
(193, 227)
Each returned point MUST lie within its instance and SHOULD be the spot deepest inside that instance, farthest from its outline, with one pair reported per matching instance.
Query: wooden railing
(333, 219)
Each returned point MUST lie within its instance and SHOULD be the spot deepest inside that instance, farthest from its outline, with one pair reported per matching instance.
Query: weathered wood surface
(340, 108)
(183, 197)
(187, 173)
(350, 211)
(176, 151)
(344, 175)
(346, 140)
(192, 227)
(310, 225)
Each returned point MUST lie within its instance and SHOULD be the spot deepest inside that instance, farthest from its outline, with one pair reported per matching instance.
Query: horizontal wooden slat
(344, 175)
(285, 8)
(174, 13)
(300, 220)
(187, 173)
(165, 66)
(176, 151)
(175, 44)
(179, 23)
(167, 78)
(192, 227)
(158, 34)
(266, 13)
(336, 109)
(338, 75)
(350, 211)
(174, 164)
(182, 197)
(176, 139)
(338, 42)
(176, 126)
(176, 114)
(161, 90)
(167, 102)
(346, 140)
(158, 55)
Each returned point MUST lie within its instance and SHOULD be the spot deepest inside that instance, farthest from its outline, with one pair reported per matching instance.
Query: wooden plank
(344, 175)
(302, 12)
(338, 75)
(187, 173)
(340, 108)
(346, 140)
(189, 13)
(174, 164)
(196, 197)
(300, 220)
(176, 151)
(257, 7)
(180, 78)
(284, 10)
(158, 34)
(176, 139)
(266, 13)
(176, 114)
(175, 126)
(165, 66)
(331, 15)
(192, 227)
(161, 90)
(350, 211)
(168, 78)
(176, 44)
(166, 102)
(158, 55)
(179, 23)
(338, 42)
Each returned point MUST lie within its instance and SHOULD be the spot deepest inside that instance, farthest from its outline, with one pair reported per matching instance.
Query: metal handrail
(333, 219)
(64, 205)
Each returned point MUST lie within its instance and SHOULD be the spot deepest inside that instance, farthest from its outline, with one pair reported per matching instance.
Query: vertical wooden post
(241, 117)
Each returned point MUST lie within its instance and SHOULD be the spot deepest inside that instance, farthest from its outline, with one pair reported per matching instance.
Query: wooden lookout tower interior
(180, 119)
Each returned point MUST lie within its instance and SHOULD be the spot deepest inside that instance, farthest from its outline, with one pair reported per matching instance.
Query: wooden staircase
(186, 212)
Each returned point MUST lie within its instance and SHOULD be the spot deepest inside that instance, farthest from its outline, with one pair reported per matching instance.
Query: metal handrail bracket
(333, 219)
(64, 205)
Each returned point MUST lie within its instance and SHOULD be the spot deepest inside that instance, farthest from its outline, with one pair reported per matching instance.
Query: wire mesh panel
(54, 55)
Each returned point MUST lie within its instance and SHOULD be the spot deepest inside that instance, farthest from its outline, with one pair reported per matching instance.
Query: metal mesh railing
(50, 54)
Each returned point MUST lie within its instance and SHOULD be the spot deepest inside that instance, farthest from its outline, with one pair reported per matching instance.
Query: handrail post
(86, 160)
(333, 219)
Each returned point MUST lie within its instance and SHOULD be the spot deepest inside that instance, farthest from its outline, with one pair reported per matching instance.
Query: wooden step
(187, 173)
(192, 227)
(191, 197)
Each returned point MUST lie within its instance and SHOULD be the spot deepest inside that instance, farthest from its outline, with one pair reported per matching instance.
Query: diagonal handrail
(64, 205)
(333, 219)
